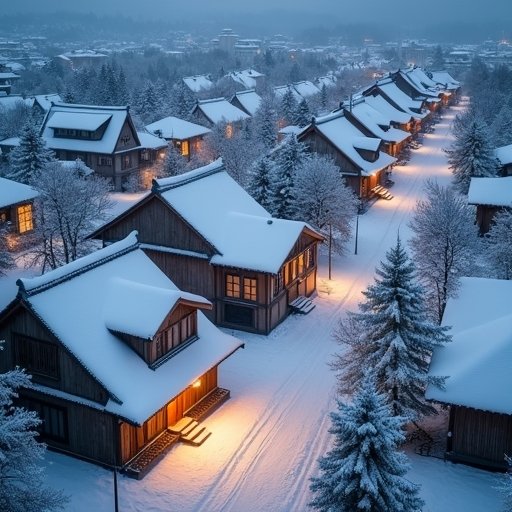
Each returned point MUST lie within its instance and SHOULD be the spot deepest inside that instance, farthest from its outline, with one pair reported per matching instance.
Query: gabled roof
(86, 117)
(198, 83)
(415, 79)
(11, 101)
(412, 107)
(377, 123)
(491, 191)
(150, 141)
(281, 90)
(219, 110)
(381, 104)
(45, 100)
(328, 81)
(12, 192)
(243, 232)
(173, 128)
(504, 154)
(75, 303)
(478, 359)
(247, 77)
(249, 100)
(306, 88)
(347, 138)
(444, 78)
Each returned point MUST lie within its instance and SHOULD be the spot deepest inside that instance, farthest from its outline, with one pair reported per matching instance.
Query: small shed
(16, 206)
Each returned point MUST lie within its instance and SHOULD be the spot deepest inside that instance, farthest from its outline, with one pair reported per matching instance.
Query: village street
(266, 439)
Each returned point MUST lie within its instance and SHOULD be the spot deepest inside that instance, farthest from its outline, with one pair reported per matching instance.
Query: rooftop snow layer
(478, 359)
(176, 129)
(381, 104)
(491, 191)
(504, 154)
(89, 121)
(74, 310)
(198, 83)
(150, 141)
(12, 192)
(250, 100)
(404, 102)
(219, 110)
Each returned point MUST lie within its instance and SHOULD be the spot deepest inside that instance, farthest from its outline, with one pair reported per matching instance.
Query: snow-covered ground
(267, 438)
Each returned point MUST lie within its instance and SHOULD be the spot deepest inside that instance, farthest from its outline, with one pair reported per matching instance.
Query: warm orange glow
(229, 131)
(197, 383)
(25, 222)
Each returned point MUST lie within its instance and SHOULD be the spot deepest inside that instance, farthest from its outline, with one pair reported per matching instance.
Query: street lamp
(357, 224)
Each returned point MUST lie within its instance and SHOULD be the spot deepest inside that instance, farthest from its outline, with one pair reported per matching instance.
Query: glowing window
(232, 286)
(25, 220)
(229, 131)
(185, 148)
(249, 288)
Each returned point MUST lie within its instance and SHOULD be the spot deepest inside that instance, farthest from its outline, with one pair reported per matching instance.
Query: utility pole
(330, 250)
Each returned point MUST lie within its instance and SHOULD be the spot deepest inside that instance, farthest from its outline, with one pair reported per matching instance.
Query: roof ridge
(165, 184)
(33, 286)
(90, 107)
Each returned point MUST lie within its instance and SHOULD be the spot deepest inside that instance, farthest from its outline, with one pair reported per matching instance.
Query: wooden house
(397, 118)
(449, 84)
(249, 101)
(118, 356)
(7, 78)
(198, 83)
(219, 111)
(504, 156)
(477, 364)
(186, 137)
(361, 159)
(489, 195)
(104, 138)
(387, 88)
(211, 238)
(410, 82)
(42, 104)
(16, 206)
(373, 123)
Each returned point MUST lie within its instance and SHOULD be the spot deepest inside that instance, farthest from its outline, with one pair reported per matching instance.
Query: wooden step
(178, 427)
(197, 436)
(189, 428)
(302, 305)
(201, 438)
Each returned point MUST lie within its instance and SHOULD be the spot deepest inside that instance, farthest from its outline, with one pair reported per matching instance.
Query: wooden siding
(133, 439)
(126, 138)
(90, 432)
(192, 275)
(485, 216)
(73, 378)
(158, 224)
(480, 437)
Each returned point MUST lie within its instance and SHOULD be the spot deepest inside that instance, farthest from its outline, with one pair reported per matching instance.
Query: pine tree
(364, 471)
(303, 113)
(182, 100)
(265, 122)
(289, 106)
(27, 159)
(287, 158)
(471, 155)
(260, 182)
(391, 335)
(21, 477)
(323, 96)
(498, 245)
(174, 163)
(500, 128)
(438, 62)
(123, 95)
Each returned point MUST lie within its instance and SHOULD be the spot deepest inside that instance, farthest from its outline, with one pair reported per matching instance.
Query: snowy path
(267, 438)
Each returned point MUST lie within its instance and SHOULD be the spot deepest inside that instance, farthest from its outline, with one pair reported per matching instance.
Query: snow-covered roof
(377, 123)
(11, 142)
(75, 302)
(347, 139)
(290, 129)
(12, 192)
(491, 191)
(416, 80)
(84, 117)
(478, 359)
(444, 78)
(306, 88)
(281, 90)
(8, 76)
(247, 77)
(150, 141)
(504, 154)
(198, 83)
(244, 234)
(219, 110)
(328, 81)
(46, 100)
(139, 309)
(381, 104)
(250, 100)
(89, 121)
(173, 128)
(404, 102)
(82, 54)
(77, 164)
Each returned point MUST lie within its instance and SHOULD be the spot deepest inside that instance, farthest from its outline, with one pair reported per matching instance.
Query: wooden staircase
(302, 305)
(382, 192)
(190, 431)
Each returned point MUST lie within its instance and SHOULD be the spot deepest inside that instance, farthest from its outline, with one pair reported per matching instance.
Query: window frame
(25, 218)
(233, 286)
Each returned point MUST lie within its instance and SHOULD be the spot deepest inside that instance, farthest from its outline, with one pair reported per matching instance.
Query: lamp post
(330, 250)
(357, 225)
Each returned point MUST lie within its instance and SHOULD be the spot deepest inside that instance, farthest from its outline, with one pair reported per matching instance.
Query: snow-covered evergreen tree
(323, 97)
(174, 163)
(365, 471)
(303, 117)
(498, 245)
(260, 182)
(392, 335)
(472, 155)
(289, 107)
(323, 200)
(438, 62)
(27, 159)
(182, 100)
(265, 122)
(287, 158)
(22, 486)
(444, 244)
(123, 96)
(501, 127)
